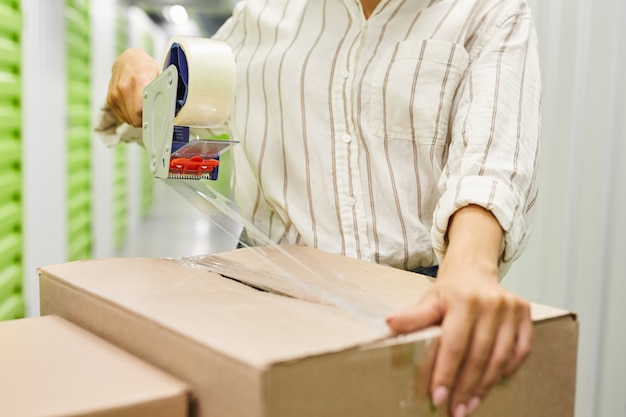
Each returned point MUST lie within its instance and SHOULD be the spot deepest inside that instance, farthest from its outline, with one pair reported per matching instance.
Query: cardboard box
(271, 341)
(50, 367)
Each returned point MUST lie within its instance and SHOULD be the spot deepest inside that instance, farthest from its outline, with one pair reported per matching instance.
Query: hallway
(174, 228)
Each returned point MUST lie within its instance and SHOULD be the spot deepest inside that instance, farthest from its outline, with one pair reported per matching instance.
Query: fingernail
(440, 395)
(460, 411)
(472, 405)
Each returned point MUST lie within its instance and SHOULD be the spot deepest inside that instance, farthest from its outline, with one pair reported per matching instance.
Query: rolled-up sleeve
(494, 135)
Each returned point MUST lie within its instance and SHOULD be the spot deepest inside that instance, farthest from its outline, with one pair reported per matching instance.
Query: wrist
(474, 242)
(467, 263)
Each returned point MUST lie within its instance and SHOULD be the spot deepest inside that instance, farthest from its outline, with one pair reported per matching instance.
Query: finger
(135, 111)
(523, 343)
(118, 98)
(425, 313)
(479, 356)
(512, 345)
(130, 93)
(455, 337)
(125, 95)
(501, 355)
(135, 106)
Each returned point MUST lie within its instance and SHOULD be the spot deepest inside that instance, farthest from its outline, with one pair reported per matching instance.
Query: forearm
(474, 241)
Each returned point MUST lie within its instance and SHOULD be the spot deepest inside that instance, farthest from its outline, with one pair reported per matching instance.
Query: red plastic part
(193, 165)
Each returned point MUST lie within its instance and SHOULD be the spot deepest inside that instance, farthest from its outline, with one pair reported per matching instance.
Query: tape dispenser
(196, 89)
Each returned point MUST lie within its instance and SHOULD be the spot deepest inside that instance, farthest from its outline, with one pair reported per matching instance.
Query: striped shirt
(363, 136)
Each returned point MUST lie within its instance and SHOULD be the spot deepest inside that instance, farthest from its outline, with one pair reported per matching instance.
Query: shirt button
(347, 138)
(345, 73)
(351, 201)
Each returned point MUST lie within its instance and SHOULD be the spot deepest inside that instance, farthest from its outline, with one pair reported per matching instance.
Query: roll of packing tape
(206, 80)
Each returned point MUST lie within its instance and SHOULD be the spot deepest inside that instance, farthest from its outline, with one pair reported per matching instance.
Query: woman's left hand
(486, 330)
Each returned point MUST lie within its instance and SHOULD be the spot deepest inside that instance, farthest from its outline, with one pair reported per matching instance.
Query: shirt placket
(351, 204)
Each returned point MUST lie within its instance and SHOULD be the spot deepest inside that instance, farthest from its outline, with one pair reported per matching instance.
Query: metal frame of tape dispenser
(196, 89)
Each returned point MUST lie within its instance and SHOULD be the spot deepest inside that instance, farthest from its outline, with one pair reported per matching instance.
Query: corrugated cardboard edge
(173, 357)
(540, 312)
(157, 408)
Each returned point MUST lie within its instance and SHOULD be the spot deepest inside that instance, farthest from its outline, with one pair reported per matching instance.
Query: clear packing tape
(315, 283)
(206, 80)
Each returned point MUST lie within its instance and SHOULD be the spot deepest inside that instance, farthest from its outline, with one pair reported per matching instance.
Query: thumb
(427, 312)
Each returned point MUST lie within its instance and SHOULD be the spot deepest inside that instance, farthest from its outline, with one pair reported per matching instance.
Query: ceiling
(209, 14)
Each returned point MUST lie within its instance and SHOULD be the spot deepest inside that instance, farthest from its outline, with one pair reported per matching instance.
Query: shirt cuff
(492, 195)
(111, 131)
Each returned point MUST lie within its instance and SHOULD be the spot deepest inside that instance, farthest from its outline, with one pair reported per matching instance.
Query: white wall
(44, 141)
(575, 259)
(103, 38)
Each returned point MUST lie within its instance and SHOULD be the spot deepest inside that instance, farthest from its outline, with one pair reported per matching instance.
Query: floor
(174, 228)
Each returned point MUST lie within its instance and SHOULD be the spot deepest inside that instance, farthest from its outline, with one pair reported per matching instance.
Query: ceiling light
(176, 14)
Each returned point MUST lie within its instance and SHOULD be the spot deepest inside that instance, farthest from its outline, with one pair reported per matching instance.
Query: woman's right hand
(131, 72)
